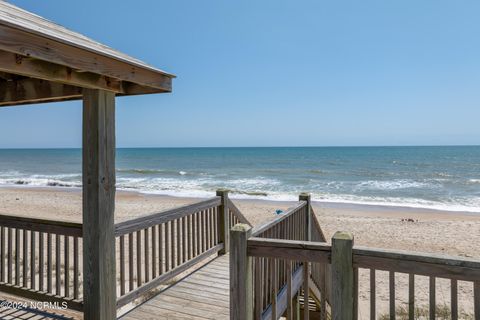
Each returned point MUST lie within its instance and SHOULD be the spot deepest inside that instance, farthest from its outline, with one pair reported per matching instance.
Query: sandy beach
(452, 233)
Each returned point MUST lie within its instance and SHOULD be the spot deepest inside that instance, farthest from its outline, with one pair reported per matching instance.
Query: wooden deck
(204, 294)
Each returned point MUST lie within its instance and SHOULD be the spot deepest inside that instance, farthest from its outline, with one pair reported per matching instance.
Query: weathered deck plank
(204, 294)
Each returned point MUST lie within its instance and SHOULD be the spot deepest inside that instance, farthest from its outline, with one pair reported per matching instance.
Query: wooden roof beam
(34, 68)
(79, 58)
(27, 91)
(15, 64)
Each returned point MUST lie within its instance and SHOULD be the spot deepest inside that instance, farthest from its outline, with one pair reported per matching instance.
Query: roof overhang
(41, 61)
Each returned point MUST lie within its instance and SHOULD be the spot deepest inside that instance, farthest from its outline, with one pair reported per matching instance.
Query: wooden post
(99, 286)
(223, 223)
(308, 224)
(241, 281)
(342, 277)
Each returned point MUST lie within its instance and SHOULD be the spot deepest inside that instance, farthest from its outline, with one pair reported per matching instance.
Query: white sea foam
(261, 187)
(391, 185)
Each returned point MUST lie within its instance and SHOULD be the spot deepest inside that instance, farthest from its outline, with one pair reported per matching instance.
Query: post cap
(241, 227)
(304, 196)
(222, 191)
(342, 235)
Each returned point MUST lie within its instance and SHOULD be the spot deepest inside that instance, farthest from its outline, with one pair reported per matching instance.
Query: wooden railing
(277, 280)
(419, 264)
(41, 259)
(235, 215)
(344, 260)
(320, 272)
(156, 248)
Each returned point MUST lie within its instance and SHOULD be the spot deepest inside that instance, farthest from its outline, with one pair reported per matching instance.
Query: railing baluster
(76, 273)
(454, 299)
(167, 246)
(2, 253)
(432, 296)
(273, 275)
(160, 249)
(215, 222)
(139, 258)
(25, 258)
(204, 231)
(265, 283)
(173, 247)
(212, 227)
(57, 265)
(411, 296)
(49, 263)
(258, 280)
(209, 228)
(189, 237)
(391, 282)
(323, 288)
(67, 266)
(198, 233)
(154, 252)
(306, 289)
(122, 265)
(147, 257)
(476, 299)
(32, 260)
(373, 295)
(41, 262)
(10, 253)
(17, 257)
(130, 262)
(184, 240)
(289, 290)
(179, 244)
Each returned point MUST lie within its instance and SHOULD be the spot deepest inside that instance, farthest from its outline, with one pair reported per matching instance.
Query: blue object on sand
(278, 211)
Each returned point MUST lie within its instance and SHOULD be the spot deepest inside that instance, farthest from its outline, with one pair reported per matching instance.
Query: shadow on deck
(203, 294)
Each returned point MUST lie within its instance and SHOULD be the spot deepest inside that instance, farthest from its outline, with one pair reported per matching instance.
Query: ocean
(444, 178)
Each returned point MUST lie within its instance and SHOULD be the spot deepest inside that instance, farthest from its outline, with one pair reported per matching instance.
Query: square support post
(223, 221)
(99, 282)
(308, 224)
(241, 274)
(343, 286)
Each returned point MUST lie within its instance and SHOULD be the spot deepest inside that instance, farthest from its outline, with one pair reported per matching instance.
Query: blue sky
(277, 73)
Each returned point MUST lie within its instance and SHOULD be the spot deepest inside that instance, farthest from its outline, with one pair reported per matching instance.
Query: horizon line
(232, 147)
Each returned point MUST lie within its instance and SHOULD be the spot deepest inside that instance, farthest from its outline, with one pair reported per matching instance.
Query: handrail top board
(419, 263)
(42, 225)
(412, 256)
(164, 216)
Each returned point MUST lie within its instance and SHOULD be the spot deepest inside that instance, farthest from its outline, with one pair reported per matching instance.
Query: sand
(452, 233)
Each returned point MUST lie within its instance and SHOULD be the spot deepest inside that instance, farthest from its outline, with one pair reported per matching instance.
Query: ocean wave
(317, 171)
(268, 188)
(147, 172)
(140, 171)
(459, 204)
(39, 182)
(391, 185)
